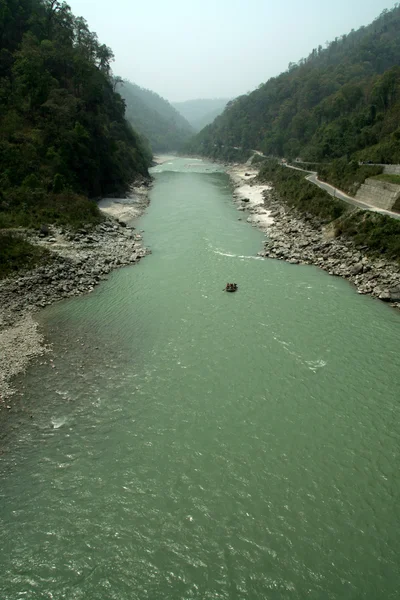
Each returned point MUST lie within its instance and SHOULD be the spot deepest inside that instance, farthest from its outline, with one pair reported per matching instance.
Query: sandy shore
(249, 195)
(80, 261)
(19, 344)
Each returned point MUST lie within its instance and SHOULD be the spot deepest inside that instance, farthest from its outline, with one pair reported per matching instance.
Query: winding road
(336, 193)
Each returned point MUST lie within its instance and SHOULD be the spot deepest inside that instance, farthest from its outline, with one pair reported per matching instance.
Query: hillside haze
(154, 118)
(201, 112)
(340, 101)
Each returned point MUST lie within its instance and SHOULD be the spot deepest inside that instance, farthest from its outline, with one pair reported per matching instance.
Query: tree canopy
(62, 125)
(343, 100)
(154, 118)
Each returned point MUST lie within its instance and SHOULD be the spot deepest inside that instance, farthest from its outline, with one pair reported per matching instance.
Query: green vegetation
(396, 206)
(299, 193)
(388, 177)
(16, 254)
(306, 166)
(201, 112)
(32, 208)
(378, 233)
(341, 101)
(257, 159)
(232, 154)
(154, 118)
(347, 175)
(63, 134)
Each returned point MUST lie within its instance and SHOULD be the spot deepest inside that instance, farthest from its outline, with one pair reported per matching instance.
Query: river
(185, 443)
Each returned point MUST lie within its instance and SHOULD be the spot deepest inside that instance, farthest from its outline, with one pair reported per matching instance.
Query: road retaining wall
(379, 193)
(391, 169)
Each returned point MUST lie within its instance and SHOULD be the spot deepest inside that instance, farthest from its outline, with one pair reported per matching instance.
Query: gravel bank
(249, 196)
(18, 345)
(79, 261)
(299, 239)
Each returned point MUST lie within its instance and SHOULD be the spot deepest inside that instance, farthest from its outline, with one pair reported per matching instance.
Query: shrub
(296, 191)
(16, 254)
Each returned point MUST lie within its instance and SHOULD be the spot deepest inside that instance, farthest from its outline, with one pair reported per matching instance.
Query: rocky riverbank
(79, 260)
(249, 196)
(300, 239)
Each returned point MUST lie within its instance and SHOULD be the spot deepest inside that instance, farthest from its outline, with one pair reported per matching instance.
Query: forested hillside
(155, 118)
(343, 100)
(201, 112)
(63, 133)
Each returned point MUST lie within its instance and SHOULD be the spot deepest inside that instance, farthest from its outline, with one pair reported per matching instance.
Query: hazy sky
(185, 49)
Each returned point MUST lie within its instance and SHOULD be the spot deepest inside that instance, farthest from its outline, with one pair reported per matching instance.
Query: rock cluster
(301, 239)
(18, 345)
(79, 261)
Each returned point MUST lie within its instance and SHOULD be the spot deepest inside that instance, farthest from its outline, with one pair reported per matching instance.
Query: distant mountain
(201, 112)
(154, 118)
(340, 101)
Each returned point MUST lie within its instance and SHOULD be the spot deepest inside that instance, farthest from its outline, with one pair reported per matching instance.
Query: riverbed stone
(356, 269)
(394, 294)
(79, 261)
(295, 236)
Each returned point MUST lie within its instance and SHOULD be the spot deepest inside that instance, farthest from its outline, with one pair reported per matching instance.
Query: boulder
(380, 264)
(394, 294)
(356, 269)
(385, 296)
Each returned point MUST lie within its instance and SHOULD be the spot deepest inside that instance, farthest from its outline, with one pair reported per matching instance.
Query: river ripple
(187, 443)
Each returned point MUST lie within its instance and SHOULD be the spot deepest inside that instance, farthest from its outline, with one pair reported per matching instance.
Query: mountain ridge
(154, 117)
(343, 100)
(201, 111)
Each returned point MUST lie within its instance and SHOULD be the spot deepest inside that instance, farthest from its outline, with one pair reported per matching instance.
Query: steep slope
(340, 101)
(62, 127)
(201, 112)
(208, 118)
(154, 118)
(63, 134)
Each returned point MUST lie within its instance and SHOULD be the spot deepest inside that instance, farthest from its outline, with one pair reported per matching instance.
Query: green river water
(188, 443)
